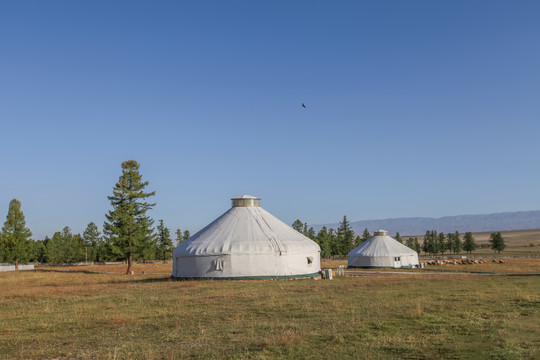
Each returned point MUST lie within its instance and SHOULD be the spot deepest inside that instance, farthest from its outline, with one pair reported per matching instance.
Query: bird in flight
(304, 106)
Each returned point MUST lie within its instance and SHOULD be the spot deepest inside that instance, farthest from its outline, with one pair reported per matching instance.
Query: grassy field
(50, 314)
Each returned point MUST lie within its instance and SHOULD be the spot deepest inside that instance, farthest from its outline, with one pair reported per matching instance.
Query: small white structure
(246, 242)
(382, 251)
(10, 267)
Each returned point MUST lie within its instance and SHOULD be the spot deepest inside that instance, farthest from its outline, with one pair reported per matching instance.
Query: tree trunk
(128, 272)
(16, 264)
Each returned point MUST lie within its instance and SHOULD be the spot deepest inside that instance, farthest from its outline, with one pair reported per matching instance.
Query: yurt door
(397, 262)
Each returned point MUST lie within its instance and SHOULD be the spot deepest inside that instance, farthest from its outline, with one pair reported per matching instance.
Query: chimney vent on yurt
(380, 233)
(246, 201)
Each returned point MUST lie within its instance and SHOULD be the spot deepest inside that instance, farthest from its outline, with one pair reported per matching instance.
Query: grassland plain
(377, 316)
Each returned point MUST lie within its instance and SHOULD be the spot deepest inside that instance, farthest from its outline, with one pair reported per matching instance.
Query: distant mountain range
(518, 220)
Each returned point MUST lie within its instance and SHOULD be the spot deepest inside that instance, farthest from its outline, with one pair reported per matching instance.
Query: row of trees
(340, 242)
(128, 233)
(66, 247)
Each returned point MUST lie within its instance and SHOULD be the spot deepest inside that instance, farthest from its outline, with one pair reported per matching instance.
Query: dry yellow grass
(103, 316)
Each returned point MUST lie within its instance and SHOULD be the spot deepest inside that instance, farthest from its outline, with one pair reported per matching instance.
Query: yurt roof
(246, 230)
(381, 245)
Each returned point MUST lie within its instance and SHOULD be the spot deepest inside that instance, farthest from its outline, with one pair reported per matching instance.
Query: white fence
(12, 267)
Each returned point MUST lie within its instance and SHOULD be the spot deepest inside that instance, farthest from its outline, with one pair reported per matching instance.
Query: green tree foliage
(164, 242)
(15, 241)
(357, 240)
(128, 228)
(92, 240)
(39, 249)
(449, 246)
(469, 243)
(311, 233)
(179, 237)
(64, 247)
(324, 239)
(186, 235)
(345, 237)
(333, 239)
(298, 225)
(410, 242)
(417, 246)
(398, 238)
(496, 241)
(458, 244)
(366, 235)
(441, 243)
(432, 243)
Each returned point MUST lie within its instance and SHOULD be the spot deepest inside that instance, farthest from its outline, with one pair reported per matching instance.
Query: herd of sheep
(461, 262)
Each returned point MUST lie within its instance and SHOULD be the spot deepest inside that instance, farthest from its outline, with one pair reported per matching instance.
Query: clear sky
(414, 108)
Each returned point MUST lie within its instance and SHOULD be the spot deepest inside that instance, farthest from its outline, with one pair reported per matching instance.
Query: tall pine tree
(468, 243)
(128, 228)
(179, 237)
(365, 235)
(496, 242)
(345, 237)
(15, 241)
(458, 244)
(164, 243)
(92, 238)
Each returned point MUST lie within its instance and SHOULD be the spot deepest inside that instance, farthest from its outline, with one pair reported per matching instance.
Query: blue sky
(414, 108)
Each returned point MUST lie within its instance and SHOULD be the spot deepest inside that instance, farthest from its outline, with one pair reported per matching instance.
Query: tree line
(128, 232)
(338, 243)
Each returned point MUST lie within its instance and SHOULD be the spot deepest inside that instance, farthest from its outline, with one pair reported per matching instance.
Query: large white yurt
(382, 251)
(246, 242)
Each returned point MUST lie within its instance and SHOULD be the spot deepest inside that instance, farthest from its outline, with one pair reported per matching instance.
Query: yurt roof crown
(246, 201)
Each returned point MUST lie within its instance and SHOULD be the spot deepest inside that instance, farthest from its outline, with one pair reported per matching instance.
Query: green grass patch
(64, 315)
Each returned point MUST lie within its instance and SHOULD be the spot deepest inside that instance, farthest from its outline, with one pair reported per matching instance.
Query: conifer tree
(468, 243)
(298, 225)
(324, 239)
(345, 237)
(311, 233)
(417, 246)
(128, 228)
(92, 238)
(39, 251)
(426, 246)
(449, 242)
(53, 249)
(179, 237)
(458, 244)
(365, 235)
(398, 238)
(441, 243)
(186, 235)
(496, 241)
(164, 244)
(333, 239)
(410, 242)
(15, 241)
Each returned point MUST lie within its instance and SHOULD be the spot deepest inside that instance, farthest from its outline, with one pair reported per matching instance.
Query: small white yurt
(382, 251)
(246, 242)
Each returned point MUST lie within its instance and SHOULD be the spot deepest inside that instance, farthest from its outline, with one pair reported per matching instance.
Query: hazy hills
(519, 220)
